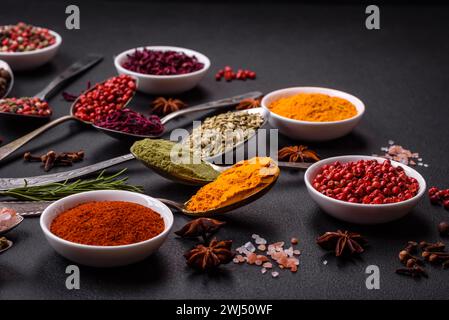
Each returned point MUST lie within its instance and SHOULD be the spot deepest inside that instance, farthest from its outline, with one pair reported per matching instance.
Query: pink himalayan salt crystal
(8, 218)
(275, 274)
(263, 270)
(294, 241)
(267, 265)
(262, 247)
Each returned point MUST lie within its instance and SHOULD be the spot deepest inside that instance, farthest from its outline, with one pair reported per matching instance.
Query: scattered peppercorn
(443, 228)
(365, 181)
(24, 37)
(5, 80)
(29, 106)
(105, 98)
(161, 63)
(439, 197)
(228, 74)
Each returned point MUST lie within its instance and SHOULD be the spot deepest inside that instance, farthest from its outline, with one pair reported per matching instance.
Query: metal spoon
(200, 182)
(5, 65)
(14, 145)
(224, 103)
(19, 221)
(32, 208)
(56, 84)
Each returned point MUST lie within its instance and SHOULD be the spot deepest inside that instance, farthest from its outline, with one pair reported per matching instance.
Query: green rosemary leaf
(55, 191)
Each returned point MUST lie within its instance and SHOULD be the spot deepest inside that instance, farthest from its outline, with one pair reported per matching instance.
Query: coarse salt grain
(275, 274)
(262, 247)
(294, 241)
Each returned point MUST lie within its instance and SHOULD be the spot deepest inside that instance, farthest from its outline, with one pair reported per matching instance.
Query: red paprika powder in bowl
(106, 228)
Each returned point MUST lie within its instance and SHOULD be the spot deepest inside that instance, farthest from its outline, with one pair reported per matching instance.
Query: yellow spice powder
(234, 184)
(313, 107)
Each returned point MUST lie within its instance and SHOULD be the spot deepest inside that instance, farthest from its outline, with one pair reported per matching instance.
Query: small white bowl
(171, 84)
(357, 212)
(5, 65)
(32, 59)
(105, 256)
(308, 130)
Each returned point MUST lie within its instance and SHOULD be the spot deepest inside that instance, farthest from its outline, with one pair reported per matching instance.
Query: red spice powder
(108, 223)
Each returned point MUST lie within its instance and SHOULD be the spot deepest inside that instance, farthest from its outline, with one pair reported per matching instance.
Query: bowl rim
(297, 90)
(36, 51)
(50, 234)
(352, 158)
(200, 56)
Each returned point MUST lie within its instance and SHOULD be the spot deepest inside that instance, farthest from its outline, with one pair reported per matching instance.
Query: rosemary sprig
(55, 191)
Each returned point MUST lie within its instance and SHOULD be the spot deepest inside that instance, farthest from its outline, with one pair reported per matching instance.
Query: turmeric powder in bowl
(313, 107)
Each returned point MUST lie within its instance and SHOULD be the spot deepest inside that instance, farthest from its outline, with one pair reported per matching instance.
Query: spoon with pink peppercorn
(107, 97)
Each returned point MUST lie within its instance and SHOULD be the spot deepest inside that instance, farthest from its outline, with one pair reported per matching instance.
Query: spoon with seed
(223, 103)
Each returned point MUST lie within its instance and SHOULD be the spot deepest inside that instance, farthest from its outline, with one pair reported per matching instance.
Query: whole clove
(52, 159)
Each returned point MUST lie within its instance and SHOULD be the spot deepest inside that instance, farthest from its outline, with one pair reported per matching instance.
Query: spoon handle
(6, 150)
(10, 183)
(212, 105)
(75, 69)
(295, 165)
(27, 208)
(173, 204)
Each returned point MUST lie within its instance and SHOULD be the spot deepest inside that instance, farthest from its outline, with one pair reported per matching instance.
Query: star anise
(298, 154)
(249, 104)
(342, 242)
(200, 227)
(208, 257)
(162, 106)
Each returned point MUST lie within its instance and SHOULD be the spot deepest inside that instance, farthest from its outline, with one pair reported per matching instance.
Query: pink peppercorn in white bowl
(164, 84)
(27, 60)
(361, 213)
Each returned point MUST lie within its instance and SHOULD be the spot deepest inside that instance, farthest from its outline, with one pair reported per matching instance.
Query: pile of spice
(126, 120)
(229, 74)
(5, 80)
(365, 181)
(267, 256)
(400, 154)
(313, 107)
(8, 218)
(236, 183)
(223, 132)
(108, 223)
(105, 98)
(24, 37)
(299, 153)
(161, 63)
(439, 197)
(30, 106)
(162, 154)
(207, 255)
(342, 243)
(433, 253)
(52, 159)
(163, 106)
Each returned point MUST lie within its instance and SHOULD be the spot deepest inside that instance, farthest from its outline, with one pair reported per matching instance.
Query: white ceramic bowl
(5, 65)
(307, 130)
(32, 59)
(357, 212)
(171, 84)
(105, 256)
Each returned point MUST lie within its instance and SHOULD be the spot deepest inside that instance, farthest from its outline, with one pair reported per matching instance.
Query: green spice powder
(156, 152)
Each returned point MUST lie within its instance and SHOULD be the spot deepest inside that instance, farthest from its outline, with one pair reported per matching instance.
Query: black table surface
(400, 72)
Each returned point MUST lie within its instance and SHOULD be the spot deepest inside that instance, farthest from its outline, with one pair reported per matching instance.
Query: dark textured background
(400, 72)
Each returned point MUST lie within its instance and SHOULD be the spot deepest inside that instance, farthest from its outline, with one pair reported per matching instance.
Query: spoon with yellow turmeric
(241, 184)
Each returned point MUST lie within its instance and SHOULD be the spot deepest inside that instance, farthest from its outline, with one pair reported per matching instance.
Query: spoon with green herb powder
(174, 162)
